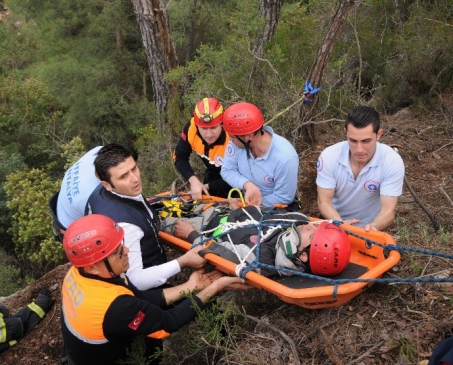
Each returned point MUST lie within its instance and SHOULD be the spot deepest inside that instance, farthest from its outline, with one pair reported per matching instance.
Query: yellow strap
(37, 309)
(2, 330)
(240, 195)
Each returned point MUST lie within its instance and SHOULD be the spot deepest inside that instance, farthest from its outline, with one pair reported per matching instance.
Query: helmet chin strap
(246, 146)
(109, 268)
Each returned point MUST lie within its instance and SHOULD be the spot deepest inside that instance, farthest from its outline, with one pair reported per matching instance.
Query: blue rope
(256, 264)
(400, 248)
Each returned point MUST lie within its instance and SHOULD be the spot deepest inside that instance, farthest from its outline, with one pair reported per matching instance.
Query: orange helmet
(91, 239)
(330, 250)
(242, 118)
(208, 113)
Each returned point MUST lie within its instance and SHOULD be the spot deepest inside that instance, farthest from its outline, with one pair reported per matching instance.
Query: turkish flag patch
(137, 321)
(183, 136)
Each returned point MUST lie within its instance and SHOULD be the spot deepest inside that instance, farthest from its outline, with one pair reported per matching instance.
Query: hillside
(387, 324)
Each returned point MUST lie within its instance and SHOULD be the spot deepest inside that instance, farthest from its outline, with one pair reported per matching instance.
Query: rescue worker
(205, 136)
(257, 160)
(119, 196)
(102, 311)
(16, 326)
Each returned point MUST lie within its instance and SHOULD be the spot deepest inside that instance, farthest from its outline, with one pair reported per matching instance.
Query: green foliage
(10, 162)
(404, 52)
(91, 58)
(136, 354)
(29, 193)
(29, 116)
(72, 151)
(155, 159)
(215, 327)
(10, 280)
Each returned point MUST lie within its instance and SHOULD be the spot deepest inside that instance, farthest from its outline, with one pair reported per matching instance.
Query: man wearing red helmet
(257, 160)
(205, 136)
(102, 311)
(287, 241)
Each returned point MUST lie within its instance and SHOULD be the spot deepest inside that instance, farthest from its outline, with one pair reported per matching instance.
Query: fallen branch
(331, 351)
(417, 200)
(445, 145)
(366, 353)
(445, 193)
(421, 205)
(281, 333)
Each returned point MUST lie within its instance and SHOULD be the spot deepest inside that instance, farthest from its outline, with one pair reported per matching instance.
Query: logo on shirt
(218, 160)
(319, 164)
(137, 321)
(269, 179)
(230, 150)
(183, 136)
(371, 186)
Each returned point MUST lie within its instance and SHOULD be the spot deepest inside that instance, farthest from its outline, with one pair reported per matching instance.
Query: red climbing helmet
(242, 118)
(208, 113)
(330, 250)
(91, 239)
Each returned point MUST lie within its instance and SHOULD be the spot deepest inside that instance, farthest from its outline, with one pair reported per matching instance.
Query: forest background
(74, 75)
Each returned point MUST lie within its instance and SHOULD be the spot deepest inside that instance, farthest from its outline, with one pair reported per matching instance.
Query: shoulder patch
(319, 164)
(183, 136)
(230, 150)
(137, 321)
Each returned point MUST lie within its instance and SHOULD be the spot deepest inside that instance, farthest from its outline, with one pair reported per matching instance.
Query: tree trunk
(270, 11)
(160, 51)
(318, 70)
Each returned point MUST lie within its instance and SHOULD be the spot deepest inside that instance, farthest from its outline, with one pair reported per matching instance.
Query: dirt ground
(387, 324)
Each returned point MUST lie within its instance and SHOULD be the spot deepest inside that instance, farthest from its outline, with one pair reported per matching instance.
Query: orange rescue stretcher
(368, 261)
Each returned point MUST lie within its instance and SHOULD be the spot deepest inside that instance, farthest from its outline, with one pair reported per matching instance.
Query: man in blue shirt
(257, 160)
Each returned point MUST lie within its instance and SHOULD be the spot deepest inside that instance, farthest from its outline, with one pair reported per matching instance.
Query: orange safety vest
(85, 302)
(215, 152)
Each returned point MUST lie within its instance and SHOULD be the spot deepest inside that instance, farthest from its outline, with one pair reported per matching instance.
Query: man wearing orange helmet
(102, 311)
(287, 241)
(205, 136)
(257, 160)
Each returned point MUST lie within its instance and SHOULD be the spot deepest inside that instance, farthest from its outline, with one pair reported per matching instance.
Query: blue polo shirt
(275, 173)
(360, 198)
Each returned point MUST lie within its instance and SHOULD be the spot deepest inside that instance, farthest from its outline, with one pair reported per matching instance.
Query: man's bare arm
(325, 205)
(386, 216)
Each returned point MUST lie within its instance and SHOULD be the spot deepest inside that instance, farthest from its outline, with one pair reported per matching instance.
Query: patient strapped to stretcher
(284, 243)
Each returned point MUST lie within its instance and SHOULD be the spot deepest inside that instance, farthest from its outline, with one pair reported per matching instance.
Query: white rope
(239, 268)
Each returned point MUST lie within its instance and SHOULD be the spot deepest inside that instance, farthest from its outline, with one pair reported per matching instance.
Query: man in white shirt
(359, 180)
(119, 196)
